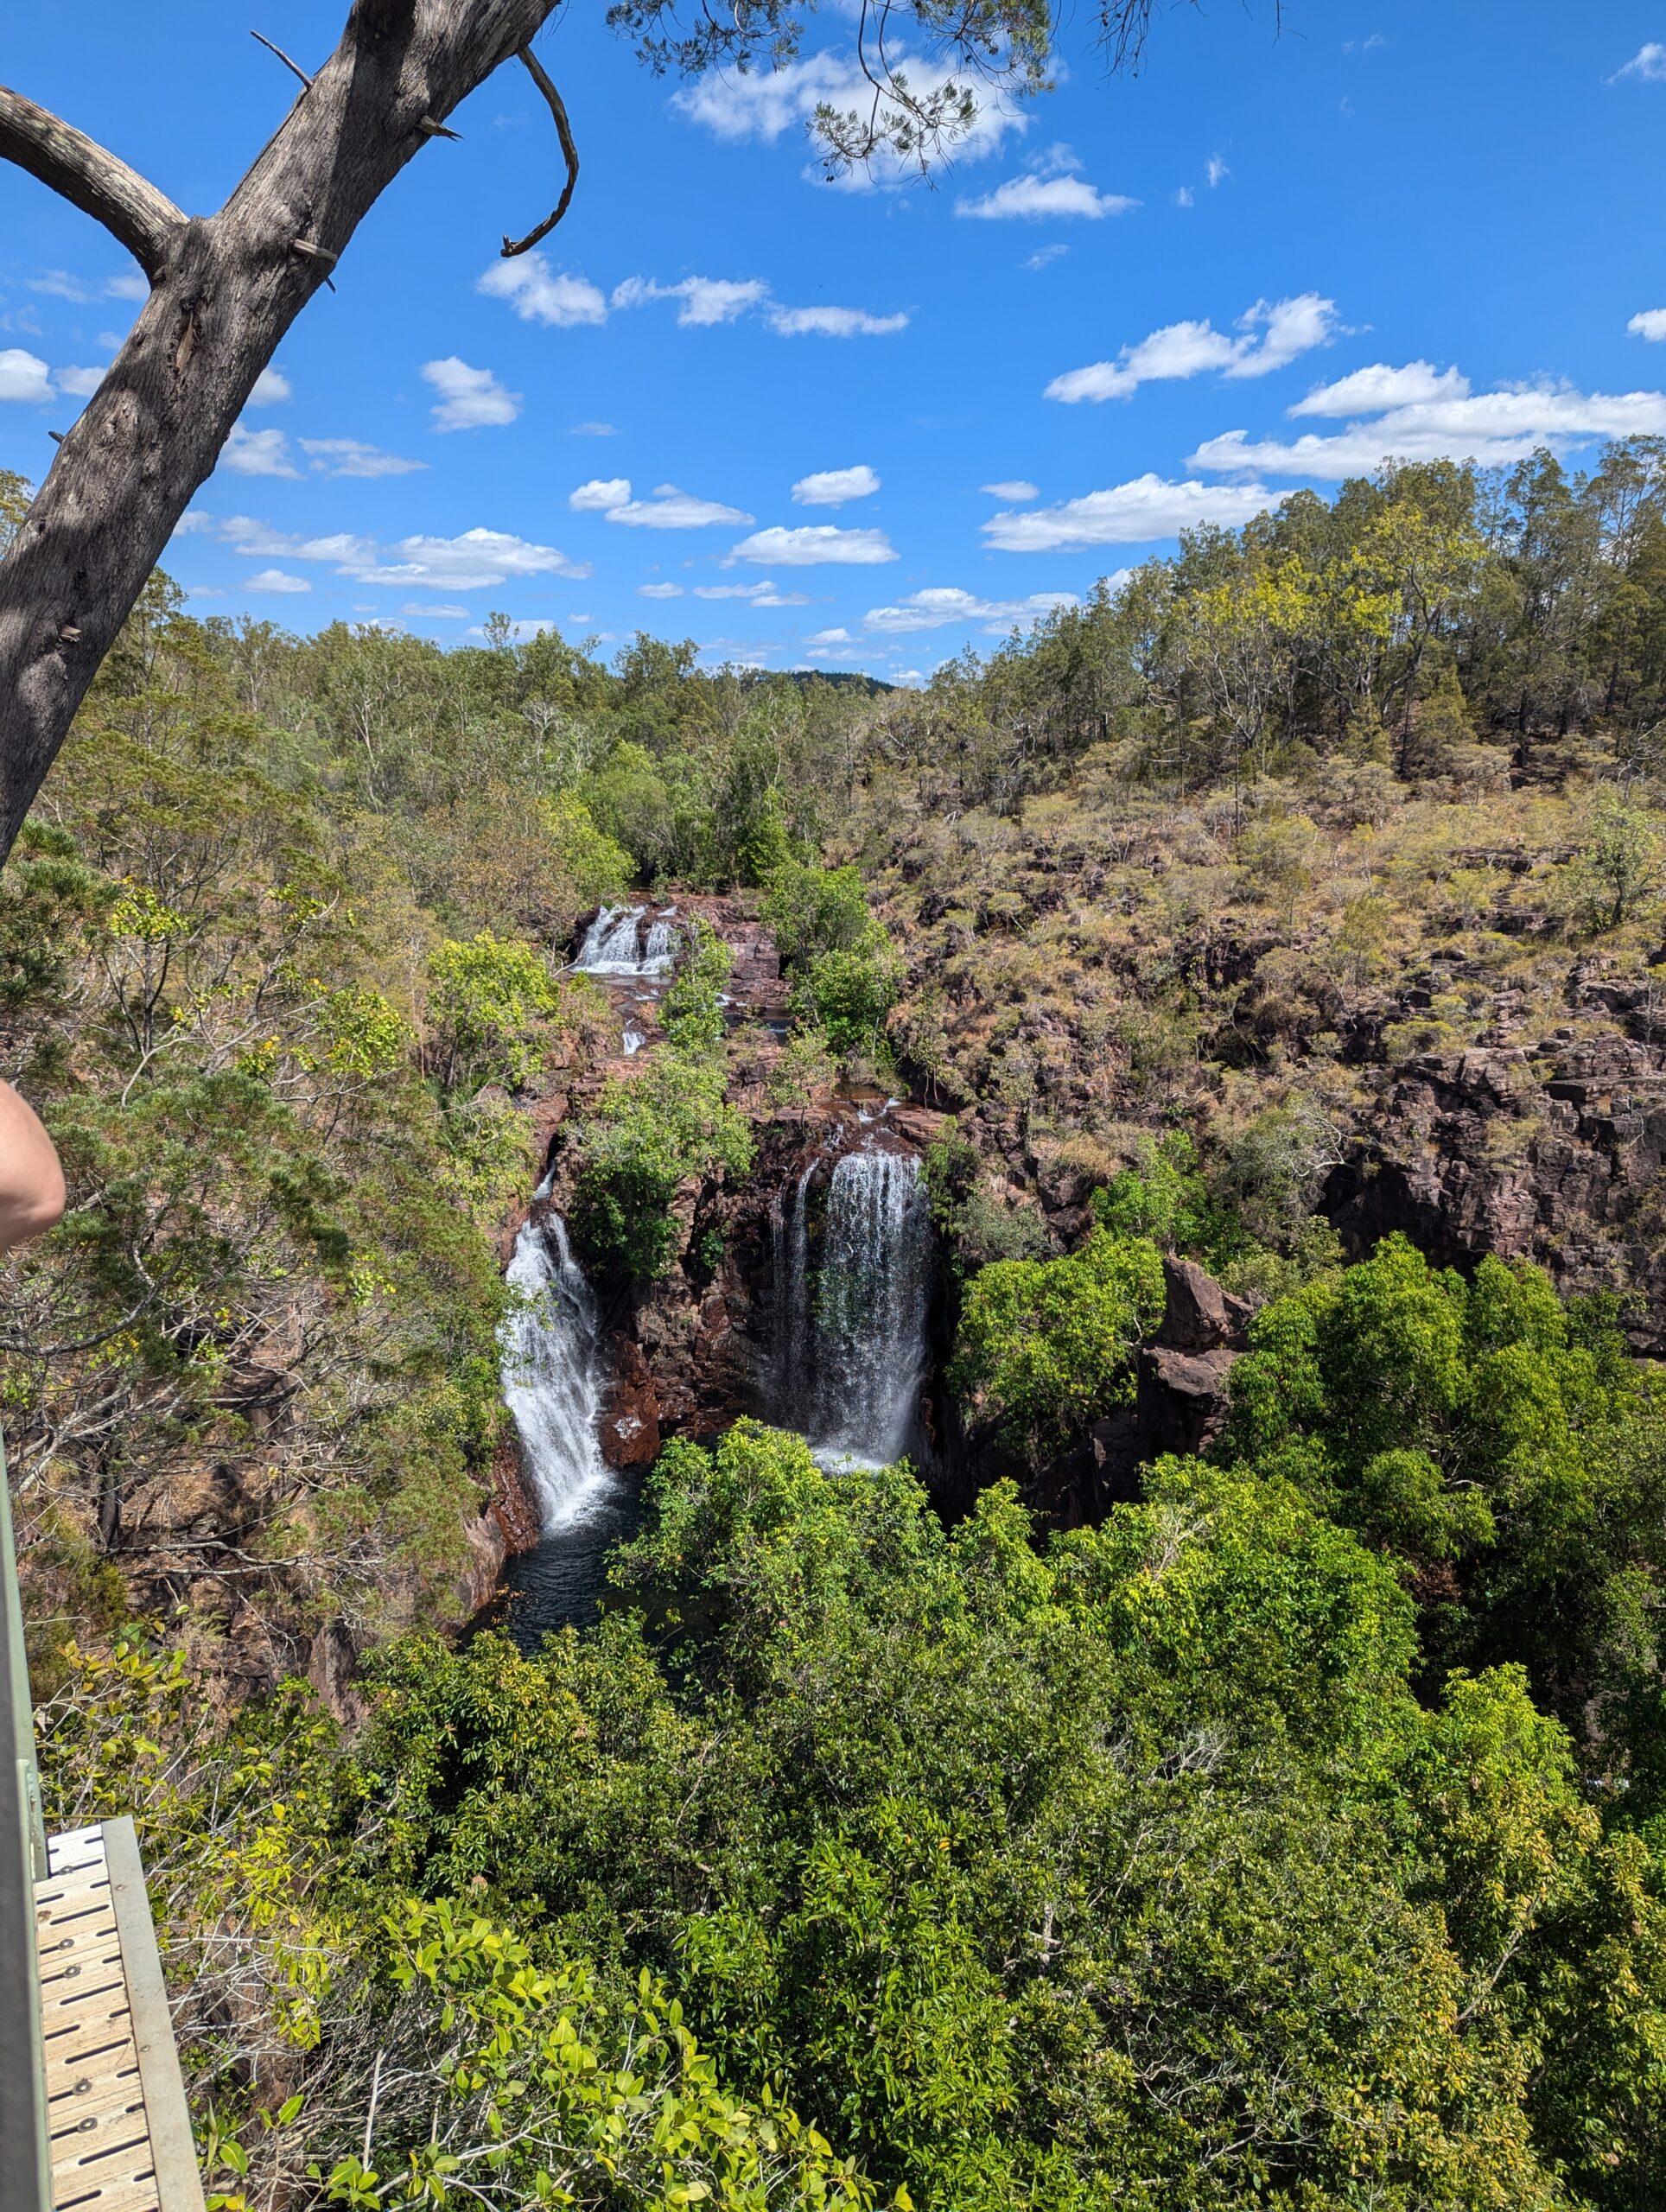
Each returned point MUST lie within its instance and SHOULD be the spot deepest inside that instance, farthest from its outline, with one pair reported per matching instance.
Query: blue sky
(862, 426)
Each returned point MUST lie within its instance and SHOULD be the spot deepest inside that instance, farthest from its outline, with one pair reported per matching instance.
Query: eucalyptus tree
(225, 287)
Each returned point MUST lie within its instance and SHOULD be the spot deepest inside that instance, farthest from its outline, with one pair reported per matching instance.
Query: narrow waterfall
(551, 1379)
(850, 1349)
(552, 1384)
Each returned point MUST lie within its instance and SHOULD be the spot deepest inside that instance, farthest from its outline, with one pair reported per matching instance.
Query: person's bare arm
(31, 1181)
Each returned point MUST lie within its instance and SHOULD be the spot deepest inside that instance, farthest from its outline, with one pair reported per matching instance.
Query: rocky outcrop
(628, 1427)
(1553, 1152)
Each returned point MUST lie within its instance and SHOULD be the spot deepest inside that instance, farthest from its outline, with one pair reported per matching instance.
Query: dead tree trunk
(224, 288)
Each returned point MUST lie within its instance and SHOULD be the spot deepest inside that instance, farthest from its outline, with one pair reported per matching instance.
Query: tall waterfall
(850, 1351)
(613, 945)
(551, 1376)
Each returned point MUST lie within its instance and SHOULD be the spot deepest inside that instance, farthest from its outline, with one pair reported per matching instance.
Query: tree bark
(226, 289)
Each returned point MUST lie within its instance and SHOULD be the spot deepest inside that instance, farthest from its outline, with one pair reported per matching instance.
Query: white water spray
(612, 944)
(551, 1374)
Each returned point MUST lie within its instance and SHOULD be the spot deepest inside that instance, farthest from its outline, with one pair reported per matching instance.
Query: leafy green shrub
(690, 1013)
(487, 1002)
(1047, 1346)
(649, 1135)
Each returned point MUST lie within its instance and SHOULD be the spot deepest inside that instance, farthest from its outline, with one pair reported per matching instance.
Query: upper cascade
(617, 944)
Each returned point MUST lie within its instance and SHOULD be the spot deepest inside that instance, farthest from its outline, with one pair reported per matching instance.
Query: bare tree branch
(80, 170)
(226, 289)
(540, 77)
(294, 67)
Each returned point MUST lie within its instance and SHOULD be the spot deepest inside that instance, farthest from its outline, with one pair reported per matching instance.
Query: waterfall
(612, 944)
(551, 1374)
(850, 1354)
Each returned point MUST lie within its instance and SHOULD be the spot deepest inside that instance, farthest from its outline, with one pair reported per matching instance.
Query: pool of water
(560, 1582)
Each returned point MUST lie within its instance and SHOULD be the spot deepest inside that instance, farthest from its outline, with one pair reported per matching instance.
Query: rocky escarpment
(1551, 1150)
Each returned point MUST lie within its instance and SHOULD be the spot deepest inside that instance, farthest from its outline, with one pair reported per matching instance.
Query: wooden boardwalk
(116, 2121)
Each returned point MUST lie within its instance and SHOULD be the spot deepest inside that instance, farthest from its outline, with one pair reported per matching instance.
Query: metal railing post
(25, 2154)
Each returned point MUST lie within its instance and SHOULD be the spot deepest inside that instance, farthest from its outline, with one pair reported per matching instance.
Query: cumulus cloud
(475, 561)
(813, 545)
(831, 487)
(539, 293)
(754, 594)
(668, 508)
(763, 106)
(834, 322)
(470, 399)
(931, 609)
(592, 430)
(1651, 323)
(1043, 199)
(23, 376)
(1014, 492)
(1648, 63)
(1135, 513)
(272, 386)
(830, 637)
(257, 453)
(659, 591)
(1489, 428)
(706, 301)
(277, 579)
(1368, 390)
(352, 457)
(599, 494)
(1271, 334)
(79, 383)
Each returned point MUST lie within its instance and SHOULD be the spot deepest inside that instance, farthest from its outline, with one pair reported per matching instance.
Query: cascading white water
(551, 1374)
(850, 1355)
(612, 944)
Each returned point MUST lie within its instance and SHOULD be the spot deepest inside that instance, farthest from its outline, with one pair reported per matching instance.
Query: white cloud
(669, 509)
(1651, 323)
(1014, 492)
(764, 105)
(473, 562)
(830, 638)
(1489, 428)
(23, 376)
(1045, 256)
(275, 580)
(1135, 513)
(931, 609)
(834, 322)
(1368, 391)
(470, 399)
(706, 301)
(352, 457)
(440, 613)
(127, 286)
(533, 627)
(754, 594)
(1648, 63)
(1044, 198)
(659, 591)
(79, 384)
(257, 453)
(831, 487)
(540, 294)
(1272, 334)
(813, 545)
(272, 386)
(58, 284)
(599, 494)
(1184, 197)
(592, 430)
(1215, 169)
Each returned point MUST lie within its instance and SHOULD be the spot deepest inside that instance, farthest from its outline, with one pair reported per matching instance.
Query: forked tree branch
(540, 77)
(76, 167)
